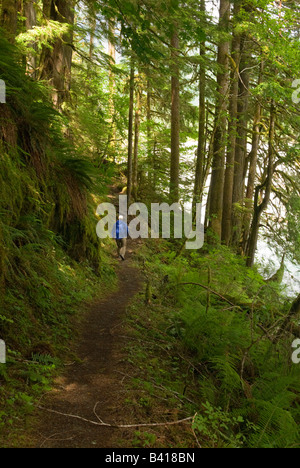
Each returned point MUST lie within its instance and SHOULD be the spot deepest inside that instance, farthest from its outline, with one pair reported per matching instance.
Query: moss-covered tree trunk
(199, 173)
(112, 88)
(233, 109)
(137, 122)
(130, 131)
(175, 117)
(150, 156)
(252, 165)
(30, 22)
(9, 18)
(267, 187)
(220, 132)
(56, 63)
(238, 194)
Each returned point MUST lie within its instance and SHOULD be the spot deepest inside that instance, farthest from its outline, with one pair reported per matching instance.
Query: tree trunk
(175, 118)
(30, 22)
(9, 18)
(252, 164)
(218, 164)
(149, 139)
(56, 63)
(198, 187)
(92, 21)
(241, 146)
(130, 133)
(293, 313)
(267, 185)
(136, 145)
(233, 109)
(112, 86)
(155, 175)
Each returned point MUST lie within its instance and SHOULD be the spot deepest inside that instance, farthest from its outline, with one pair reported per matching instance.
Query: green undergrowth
(51, 260)
(211, 355)
(40, 318)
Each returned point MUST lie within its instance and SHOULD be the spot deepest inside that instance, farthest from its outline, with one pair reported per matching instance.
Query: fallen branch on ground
(115, 426)
(212, 292)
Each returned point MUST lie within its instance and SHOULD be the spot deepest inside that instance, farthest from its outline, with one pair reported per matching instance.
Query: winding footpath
(92, 390)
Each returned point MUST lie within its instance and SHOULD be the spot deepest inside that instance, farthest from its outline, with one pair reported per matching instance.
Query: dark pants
(122, 244)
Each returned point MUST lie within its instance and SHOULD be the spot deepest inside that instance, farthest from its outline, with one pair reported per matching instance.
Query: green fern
(277, 427)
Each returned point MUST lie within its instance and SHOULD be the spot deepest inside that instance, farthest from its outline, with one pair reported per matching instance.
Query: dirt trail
(98, 379)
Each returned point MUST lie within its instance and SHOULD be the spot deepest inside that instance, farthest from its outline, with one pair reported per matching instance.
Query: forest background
(171, 101)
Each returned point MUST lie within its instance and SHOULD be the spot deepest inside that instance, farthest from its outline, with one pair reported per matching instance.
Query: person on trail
(120, 233)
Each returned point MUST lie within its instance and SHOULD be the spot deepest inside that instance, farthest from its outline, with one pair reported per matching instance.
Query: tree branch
(101, 423)
(213, 292)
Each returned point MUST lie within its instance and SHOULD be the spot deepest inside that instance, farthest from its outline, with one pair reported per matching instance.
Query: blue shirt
(120, 230)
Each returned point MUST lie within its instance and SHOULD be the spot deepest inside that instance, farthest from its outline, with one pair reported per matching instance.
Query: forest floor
(91, 388)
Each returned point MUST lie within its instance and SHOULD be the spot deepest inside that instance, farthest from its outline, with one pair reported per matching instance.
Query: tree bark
(220, 139)
(112, 86)
(130, 132)
(267, 185)
(198, 187)
(293, 313)
(9, 18)
(233, 109)
(56, 63)
(30, 22)
(252, 164)
(175, 118)
(136, 145)
(150, 159)
(241, 146)
(92, 21)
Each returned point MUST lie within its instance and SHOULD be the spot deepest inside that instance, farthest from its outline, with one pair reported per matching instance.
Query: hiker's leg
(119, 245)
(123, 247)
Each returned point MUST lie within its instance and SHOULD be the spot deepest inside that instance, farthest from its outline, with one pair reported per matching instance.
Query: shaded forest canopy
(173, 101)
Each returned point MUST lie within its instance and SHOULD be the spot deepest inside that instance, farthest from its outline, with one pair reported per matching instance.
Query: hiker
(120, 233)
